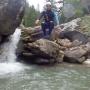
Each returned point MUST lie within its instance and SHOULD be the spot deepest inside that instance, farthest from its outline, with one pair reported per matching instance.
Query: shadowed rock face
(11, 14)
(42, 51)
(74, 35)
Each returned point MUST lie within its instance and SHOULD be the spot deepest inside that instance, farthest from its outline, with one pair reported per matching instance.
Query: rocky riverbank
(66, 44)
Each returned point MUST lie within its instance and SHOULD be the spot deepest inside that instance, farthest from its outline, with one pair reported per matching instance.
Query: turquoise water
(59, 77)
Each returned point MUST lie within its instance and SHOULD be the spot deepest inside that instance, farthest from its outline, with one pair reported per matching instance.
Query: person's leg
(51, 27)
(44, 28)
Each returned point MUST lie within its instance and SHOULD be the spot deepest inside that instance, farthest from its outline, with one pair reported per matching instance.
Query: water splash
(8, 49)
(8, 68)
(8, 62)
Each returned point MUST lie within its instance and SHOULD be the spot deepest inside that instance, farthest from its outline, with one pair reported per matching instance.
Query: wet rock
(45, 50)
(76, 54)
(0, 38)
(64, 42)
(71, 26)
(31, 34)
(88, 55)
(88, 47)
(76, 43)
(43, 61)
(87, 62)
(11, 14)
(74, 35)
(20, 48)
(55, 33)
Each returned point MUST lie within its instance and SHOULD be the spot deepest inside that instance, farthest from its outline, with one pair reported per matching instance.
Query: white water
(8, 49)
(8, 62)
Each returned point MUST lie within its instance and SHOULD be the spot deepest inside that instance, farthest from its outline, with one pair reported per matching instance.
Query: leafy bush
(31, 15)
(79, 13)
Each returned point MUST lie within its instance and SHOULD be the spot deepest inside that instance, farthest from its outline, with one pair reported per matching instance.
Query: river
(19, 76)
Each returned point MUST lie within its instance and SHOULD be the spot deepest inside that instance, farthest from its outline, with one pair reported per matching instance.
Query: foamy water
(7, 68)
(8, 49)
(8, 62)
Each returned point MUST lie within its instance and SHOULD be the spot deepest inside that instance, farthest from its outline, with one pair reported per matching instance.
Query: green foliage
(79, 13)
(79, 10)
(31, 15)
(62, 18)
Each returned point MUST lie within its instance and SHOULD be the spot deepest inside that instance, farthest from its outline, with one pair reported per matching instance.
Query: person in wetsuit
(48, 19)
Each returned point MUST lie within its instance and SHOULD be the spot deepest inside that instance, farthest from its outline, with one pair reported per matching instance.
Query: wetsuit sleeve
(42, 14)
(53, 15)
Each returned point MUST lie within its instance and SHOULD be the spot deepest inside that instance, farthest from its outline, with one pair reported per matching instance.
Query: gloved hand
(37, 21)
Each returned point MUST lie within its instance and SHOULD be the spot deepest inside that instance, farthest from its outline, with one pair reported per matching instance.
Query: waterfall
(7, 51)
(8, 62)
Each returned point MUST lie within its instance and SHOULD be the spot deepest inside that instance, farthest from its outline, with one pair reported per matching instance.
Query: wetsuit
(48, 18)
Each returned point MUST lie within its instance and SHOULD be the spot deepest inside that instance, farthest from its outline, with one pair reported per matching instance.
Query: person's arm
(53, 15)
(40, 17)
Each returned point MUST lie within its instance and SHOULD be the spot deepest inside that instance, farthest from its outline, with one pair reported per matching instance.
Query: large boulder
(45, 51)
(31, 34)
(64, 42)
(87, 62)
(72, 25)
(11, 14)
(74, 35)
(77, 54)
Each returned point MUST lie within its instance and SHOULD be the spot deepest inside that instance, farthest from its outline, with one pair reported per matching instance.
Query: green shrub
(79, 13)
(31, 15)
